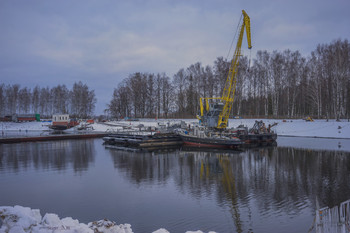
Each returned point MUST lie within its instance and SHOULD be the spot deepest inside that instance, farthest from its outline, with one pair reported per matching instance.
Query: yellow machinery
(216, 115)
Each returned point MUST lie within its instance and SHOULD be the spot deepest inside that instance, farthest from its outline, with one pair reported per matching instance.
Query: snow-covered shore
(297, 128)
(20, 219)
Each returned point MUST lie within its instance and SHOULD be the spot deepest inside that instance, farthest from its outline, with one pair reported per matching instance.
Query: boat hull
(58, 127)
(230, 143)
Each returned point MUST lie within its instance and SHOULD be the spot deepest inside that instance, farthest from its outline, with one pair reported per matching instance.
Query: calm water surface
(269, 189)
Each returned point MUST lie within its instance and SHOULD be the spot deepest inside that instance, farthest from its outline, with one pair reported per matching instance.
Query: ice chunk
(18, 217)
(51, 220)
(161, 230)
(109, 227)
(17, 229)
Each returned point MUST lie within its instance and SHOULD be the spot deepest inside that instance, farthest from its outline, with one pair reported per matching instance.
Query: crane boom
(230, 86)
(218, 114)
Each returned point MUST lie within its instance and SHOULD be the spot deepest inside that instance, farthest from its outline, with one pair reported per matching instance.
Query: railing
(333, 220)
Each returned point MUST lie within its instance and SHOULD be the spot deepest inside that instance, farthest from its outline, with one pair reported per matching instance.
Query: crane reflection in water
(224, 168)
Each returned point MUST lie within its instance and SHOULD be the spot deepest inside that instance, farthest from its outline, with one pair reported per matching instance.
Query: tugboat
(259, 133)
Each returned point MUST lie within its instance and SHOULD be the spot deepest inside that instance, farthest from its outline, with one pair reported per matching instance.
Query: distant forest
(278, 84)
(78, 102)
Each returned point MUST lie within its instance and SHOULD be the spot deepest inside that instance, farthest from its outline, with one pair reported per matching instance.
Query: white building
(60, 119)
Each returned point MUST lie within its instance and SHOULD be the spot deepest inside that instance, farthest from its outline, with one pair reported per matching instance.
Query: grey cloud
(59, 42)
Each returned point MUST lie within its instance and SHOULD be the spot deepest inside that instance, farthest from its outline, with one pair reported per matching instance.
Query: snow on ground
(302, 128)
(299, 128)
(32, 126)
(20, 219)
(318, 128)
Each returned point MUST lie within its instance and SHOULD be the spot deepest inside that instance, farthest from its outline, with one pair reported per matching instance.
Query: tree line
(78, 102)
(276, 84)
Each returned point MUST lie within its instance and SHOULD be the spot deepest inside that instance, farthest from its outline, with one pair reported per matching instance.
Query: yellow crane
(216, 114)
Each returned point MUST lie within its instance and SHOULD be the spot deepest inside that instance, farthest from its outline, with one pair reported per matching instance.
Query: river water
(264, 189)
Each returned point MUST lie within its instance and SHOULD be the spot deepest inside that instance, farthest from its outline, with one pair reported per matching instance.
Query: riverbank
(295, 128)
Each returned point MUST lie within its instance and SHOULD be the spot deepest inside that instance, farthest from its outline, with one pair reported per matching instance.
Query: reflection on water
(268, 189)
(258, 185)
(54, 155)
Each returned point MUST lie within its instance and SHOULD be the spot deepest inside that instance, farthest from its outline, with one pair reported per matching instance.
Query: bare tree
(120, 104)
(35, 99)
(150, 91)
(167, 95)
(82, 100)
(179, 84)
(221, 68)
(158, 96)
(24, 100)
(60, 99)
(12, 98)
(2, 100)
(45, 101)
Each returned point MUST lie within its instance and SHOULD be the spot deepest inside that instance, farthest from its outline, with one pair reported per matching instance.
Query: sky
(102, 42)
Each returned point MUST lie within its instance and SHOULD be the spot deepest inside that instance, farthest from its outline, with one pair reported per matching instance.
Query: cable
(234, 38)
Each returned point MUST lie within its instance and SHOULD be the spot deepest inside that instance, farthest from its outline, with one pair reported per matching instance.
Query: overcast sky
(101, 42)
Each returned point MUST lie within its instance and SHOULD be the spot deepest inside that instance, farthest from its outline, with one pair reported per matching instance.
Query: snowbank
(35, 126)
(23, 219)
(20, 219)
(298, 128)
(318, 128)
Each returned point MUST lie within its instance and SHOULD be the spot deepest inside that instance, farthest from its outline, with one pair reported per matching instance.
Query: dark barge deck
(143, 141)
(212, 142)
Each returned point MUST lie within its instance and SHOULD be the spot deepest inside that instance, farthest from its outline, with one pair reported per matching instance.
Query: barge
(211, 141)
(197, 136)
(143, 141)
